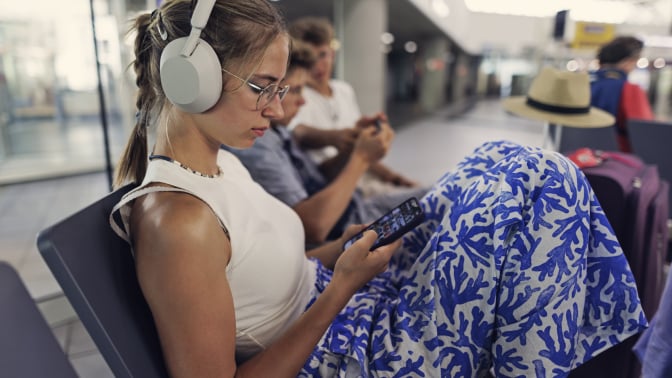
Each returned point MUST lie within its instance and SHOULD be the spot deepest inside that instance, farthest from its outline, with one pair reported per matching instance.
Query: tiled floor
(423, 149)
(25, 209)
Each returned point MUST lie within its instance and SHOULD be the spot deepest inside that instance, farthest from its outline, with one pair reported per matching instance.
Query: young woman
(515, 268)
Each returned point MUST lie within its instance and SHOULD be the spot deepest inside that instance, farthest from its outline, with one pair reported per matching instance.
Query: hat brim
(593, 119)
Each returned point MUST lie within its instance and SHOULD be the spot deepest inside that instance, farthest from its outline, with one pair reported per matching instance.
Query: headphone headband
(199, 18)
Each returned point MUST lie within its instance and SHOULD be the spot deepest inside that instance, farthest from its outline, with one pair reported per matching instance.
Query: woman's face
(296, 79)
(235, 120)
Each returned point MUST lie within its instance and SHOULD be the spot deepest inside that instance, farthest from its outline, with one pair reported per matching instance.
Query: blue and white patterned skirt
(516, 270)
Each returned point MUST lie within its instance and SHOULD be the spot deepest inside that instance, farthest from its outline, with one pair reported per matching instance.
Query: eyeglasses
(266, 94)
(296, 90)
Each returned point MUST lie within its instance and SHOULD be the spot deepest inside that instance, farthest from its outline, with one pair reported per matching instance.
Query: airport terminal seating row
(652, 141)
(25, 334)
(96, 271)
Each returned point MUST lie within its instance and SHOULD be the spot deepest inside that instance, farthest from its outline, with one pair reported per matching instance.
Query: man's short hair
(619, 49)
(317, 31)
(302, 56)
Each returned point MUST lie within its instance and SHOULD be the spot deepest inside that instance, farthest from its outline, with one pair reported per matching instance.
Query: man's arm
(331, 167)
(322, 210)
(385, 174)
(309, 137)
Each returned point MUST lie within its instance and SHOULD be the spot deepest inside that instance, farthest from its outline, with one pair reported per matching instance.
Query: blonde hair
(238, 30)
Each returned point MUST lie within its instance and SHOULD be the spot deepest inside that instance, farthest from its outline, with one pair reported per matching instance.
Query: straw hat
(559, 97)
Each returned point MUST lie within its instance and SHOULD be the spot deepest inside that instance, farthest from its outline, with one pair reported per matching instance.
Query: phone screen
(394, 224)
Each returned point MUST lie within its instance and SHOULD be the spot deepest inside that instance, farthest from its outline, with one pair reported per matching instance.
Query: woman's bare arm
(288, 354)
(329, 252)
(181, 256)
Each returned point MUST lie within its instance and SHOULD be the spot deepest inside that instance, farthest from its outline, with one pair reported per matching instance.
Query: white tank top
(329, 113)
(270, 277)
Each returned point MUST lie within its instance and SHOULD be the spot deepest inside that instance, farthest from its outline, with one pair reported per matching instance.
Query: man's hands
(344, 139)
(372, 145)
(369, 139)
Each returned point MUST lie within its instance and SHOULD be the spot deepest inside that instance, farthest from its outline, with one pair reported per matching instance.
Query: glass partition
(50, 109)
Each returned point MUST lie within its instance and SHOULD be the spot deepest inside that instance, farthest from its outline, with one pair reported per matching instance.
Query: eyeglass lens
(267, 94)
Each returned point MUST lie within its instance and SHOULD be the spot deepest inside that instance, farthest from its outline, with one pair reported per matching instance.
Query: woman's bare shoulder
(175, 220)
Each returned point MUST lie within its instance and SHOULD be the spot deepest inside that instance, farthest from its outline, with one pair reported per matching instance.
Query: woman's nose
(274, 109)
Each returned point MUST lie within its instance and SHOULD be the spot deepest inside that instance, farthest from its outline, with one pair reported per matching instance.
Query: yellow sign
(592, 34)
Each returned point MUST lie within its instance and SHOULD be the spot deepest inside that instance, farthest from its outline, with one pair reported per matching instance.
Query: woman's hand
(357, 265)
(351, 231)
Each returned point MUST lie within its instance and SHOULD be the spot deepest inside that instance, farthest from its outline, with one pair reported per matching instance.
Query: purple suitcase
(635, 201)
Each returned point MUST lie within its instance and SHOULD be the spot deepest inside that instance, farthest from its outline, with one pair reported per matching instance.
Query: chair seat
(28, 347)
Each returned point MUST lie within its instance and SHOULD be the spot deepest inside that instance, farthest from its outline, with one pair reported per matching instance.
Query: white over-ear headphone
(191, 74)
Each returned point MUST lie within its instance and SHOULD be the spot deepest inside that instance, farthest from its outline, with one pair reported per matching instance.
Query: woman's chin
(240, 145)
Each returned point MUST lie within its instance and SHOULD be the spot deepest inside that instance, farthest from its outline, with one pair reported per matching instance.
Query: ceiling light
(572, 65)
(387, 38)
(659, 63)
(642, 62)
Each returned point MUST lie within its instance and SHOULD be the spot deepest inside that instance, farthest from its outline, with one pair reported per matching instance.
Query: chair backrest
(28, 347)
(96, 271)
(652, 141)
(601, 138)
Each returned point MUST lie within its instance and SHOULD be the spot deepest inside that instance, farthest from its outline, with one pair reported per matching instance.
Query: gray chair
(573, 138)
(652, 141)
(97, 274)
(28, 347)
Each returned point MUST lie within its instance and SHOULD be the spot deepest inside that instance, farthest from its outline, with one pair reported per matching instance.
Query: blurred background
(437, 67)
(67, 104)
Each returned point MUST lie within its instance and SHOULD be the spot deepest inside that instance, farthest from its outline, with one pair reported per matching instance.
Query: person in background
(515, 268)
(611, 90)
(326, 203)
(331, 119)
(654, 347)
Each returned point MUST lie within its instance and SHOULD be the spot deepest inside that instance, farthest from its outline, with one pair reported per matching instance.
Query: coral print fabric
(516, 271)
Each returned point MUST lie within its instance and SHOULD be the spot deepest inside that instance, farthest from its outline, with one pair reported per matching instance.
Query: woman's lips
(259, 131)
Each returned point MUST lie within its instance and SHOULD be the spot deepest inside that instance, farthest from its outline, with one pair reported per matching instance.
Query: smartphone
(394, 224)
(378, 125)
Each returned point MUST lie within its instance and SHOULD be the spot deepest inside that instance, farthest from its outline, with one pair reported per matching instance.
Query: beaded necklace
(171, 160)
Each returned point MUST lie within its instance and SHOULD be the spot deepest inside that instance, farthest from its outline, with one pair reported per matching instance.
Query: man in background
(330, 120)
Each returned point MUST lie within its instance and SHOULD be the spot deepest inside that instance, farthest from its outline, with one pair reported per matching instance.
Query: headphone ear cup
(192, 83)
